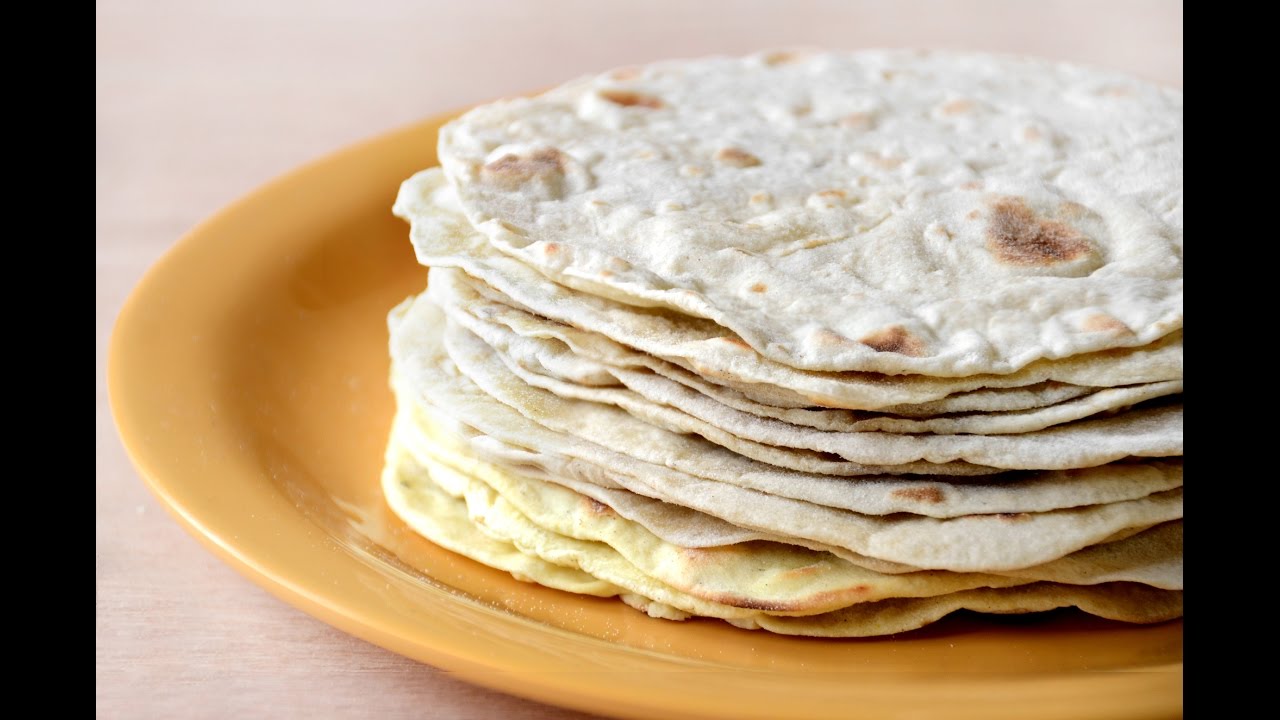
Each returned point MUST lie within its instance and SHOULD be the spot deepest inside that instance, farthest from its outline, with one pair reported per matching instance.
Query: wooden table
(201, 101)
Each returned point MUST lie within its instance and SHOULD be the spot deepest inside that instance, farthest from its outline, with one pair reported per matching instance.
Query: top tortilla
(942, 214)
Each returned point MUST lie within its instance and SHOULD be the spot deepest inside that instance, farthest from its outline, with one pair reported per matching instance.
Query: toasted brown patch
(806, 571)
(758, 287)
(511, 171)
(930, 495)
(894, 339)
(959, 106)
(857, 121)
(836, 194)
(551, 248)
(736, 157)
(595, 507)
(1014, 517)
(605, 274)
(1102, 322)
(781, 57)
(1018, 237)
(692, 171)
(760, 197)
(826, 598)
(631, 98)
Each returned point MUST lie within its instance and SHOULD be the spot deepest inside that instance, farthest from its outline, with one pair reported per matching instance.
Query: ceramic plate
(248, 377)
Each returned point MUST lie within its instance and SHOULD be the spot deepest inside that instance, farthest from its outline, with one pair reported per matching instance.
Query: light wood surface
(199, 102)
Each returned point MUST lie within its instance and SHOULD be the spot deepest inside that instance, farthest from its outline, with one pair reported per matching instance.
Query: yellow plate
(248, 377)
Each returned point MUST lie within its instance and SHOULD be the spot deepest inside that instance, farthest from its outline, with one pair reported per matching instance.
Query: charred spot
(736, 157)
(758, 287)
(1018, 237)
(780, 57)
(1014, 517)
(921, 494)
(595, 507)
(512, 170)
(958, 106)
(857, 121)
(894, 339)
(1102, 322)
(631, 98)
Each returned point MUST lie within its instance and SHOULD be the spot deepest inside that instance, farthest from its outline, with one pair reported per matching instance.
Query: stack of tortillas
(826, 344)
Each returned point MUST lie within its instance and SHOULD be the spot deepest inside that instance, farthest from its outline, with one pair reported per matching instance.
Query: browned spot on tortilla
(810, 601)
(804, 571)
(595, 507)
(837, 193)
(759, 197)
(894, 339)
(736, 157)
(510, 170)
(959, 106)
(551, 248)
(1014, 517)
(801, 110)
(1032, 133)
(1102, 322)
(886, 162)
(780, 57)
(758, 287)
(606, 274)
(972, 185)
(631, 98)
(888, 74)
(1018, 237)
(857, 120)
(736, 341)
(925, 494)
(692, 171)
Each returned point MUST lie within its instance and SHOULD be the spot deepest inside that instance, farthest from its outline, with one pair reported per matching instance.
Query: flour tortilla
(537, 555)
(540, 362)
(983, 543)
(1150, 432)
(443, 240)
(987, 212)
(1152, 557)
